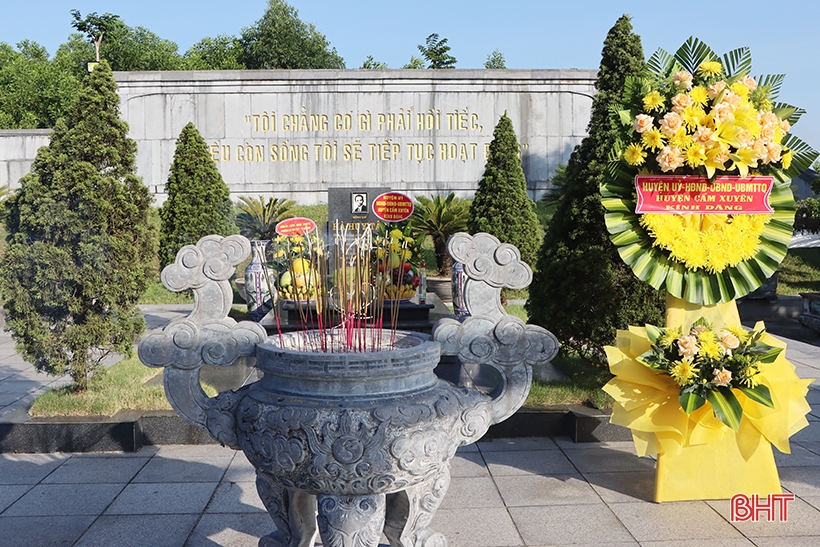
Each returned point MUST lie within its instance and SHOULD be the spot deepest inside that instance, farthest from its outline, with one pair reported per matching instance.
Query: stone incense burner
(349, 445)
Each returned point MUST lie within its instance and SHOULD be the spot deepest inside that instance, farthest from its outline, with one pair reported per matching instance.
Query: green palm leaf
(788, 112)
(692, 53)
(773, 81)
(257, 218)
(661, 63)
(738, 62)
(726, 406)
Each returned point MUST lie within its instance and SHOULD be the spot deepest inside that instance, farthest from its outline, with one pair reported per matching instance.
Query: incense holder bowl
(347, 444)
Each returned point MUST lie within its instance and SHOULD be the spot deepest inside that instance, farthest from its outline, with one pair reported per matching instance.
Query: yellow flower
(786, 159)
(396, 234)
(634, 154)
(669, 337)
(699, 95)
(693, 116)
(711, 68)
(711, 350)
(680, 139)
(742, 160)
(738, 331)
(695, 155)
(653, 139)
(749, 376)
(741, 89)
(653, 101)
(683, 371)
(706, 336)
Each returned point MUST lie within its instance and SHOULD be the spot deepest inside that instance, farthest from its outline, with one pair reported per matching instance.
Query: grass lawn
(119, 387)
(800, 272)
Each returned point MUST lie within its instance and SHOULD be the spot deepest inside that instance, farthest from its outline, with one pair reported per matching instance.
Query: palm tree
(440, 217)
(258, 218)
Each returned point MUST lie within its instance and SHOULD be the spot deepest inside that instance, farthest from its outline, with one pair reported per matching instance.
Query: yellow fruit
(285, 280)
(300, 265)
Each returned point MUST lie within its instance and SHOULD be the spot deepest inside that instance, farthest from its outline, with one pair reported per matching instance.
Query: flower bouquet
(705, 395)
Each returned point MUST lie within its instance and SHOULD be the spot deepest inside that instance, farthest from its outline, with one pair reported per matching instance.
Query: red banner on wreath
(298, 226)
(393, 207)
(693, 194)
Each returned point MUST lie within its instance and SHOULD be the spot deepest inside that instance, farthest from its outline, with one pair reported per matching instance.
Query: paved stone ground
(516, 492)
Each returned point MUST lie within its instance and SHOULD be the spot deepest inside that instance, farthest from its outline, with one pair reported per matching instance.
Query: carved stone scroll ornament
(208, 335)
(489, 336)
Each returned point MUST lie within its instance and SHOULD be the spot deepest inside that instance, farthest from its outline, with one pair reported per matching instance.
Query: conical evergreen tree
(501, 206)
(582, 291)
(80, 250)
(199, 201)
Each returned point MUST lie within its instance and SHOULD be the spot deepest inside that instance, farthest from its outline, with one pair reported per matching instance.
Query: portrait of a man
(358, 203)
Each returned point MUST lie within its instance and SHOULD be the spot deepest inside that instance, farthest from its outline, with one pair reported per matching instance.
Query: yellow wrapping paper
(646, 401)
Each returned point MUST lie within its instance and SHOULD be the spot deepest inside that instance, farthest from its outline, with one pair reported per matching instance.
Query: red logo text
(775, 507)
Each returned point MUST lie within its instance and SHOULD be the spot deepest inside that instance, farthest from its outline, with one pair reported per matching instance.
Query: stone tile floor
(516, 492)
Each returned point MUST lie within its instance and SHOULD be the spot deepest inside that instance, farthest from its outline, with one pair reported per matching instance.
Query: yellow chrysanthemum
(698, 241)
(684, 371)
(741, 333)
(699, 95)
(680, 139)
(711, 350)
(396, 234)
(711, 68)
(695, 155)
(740, 89)
(635, 154)
(706, 336)
(669, 337)
(749, 376)
(652, 101)
(693, 116)
(653, 139)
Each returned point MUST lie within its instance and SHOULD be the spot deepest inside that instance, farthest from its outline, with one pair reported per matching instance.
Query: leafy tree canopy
(221, 53)
(371, 64)
(34, 92)
(495, 60)
(280, 40)
(434, 51)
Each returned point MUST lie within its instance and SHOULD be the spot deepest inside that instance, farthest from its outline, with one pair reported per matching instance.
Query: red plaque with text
(393, 207)
(298, 226)
(693, 194)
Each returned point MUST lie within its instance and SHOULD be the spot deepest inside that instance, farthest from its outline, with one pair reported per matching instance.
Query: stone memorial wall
(295, 134)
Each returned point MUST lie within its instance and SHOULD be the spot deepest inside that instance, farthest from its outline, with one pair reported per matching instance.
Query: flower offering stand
(698, 203)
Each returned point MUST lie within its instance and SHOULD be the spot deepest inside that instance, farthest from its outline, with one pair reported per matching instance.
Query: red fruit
(406, 267)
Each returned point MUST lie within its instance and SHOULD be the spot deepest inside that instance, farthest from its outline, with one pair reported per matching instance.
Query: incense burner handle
(489, 336)
(207, 335)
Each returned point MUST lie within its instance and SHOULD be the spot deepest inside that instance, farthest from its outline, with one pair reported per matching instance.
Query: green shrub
(582, 291)
(199, 201)
(501, 206)
(80, 245)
